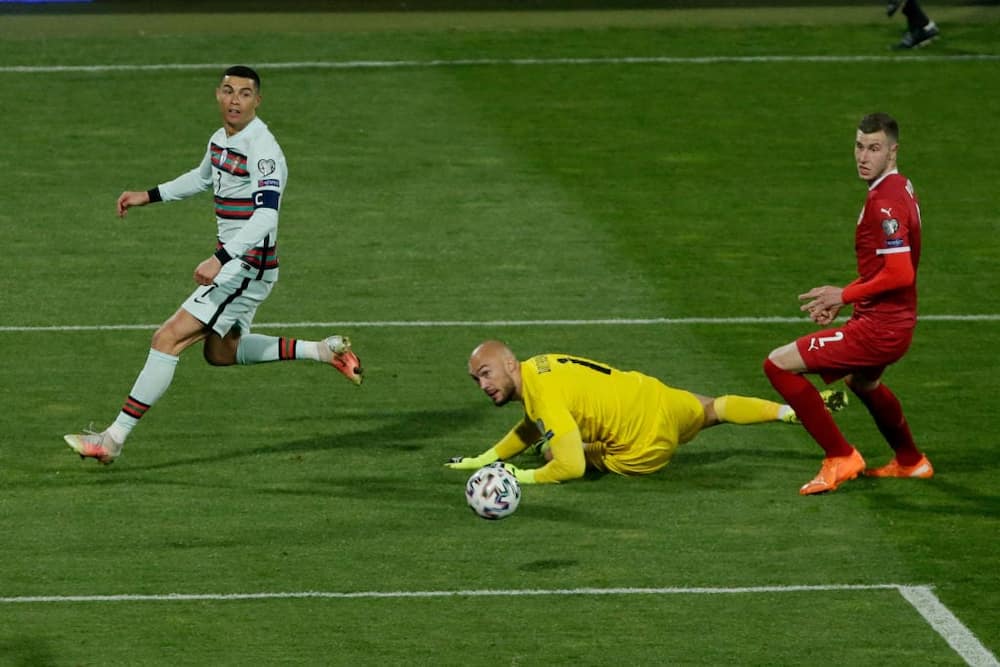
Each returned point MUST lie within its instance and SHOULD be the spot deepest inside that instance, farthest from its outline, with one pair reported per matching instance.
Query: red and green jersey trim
(229, 160)
(260, 257)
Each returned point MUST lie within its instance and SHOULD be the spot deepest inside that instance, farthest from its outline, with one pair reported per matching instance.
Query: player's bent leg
(733, 409)
(178, 333)
(334, 350)
(810, 408)
(842, 462)
(908, 460)
(835, 400)
(788, 358)
(638, 458)
(173, 336)
(221, 350)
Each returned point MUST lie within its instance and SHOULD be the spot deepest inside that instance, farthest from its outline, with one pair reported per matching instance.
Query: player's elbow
(574, 469)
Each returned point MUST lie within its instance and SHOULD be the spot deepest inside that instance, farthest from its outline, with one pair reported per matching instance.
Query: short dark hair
(245, 72)
(876, 122)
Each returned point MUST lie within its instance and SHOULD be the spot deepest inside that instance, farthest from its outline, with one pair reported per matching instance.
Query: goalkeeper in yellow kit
(584, 413)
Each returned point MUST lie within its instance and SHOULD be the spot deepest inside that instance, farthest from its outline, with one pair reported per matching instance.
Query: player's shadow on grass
(405, 431)
(548, 565)
(964, 501)
(693, 458)
(26, 651)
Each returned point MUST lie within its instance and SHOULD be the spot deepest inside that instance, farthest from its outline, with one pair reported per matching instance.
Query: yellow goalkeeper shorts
(681, 417)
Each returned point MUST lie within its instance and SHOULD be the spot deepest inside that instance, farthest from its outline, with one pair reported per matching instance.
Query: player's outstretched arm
(128, 199)
(567, 462)
(512, 444)
(473, 462)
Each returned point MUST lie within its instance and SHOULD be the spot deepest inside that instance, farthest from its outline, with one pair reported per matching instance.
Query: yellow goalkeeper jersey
(629, 422)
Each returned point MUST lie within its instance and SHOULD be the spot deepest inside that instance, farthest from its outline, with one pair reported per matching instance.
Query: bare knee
(165, 340)
(178, 333)
(787, 358)
(160, 339)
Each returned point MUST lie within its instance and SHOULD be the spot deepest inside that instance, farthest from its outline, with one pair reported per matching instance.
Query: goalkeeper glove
(473, 462)
(540, 448)
(522, 476)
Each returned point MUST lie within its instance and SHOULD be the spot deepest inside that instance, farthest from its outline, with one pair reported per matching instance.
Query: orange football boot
(343, 359)
(835, 471)
(922, 469)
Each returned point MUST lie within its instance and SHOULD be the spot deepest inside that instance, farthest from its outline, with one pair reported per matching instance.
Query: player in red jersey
(878, 333)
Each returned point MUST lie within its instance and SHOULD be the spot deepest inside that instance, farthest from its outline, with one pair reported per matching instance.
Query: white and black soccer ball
(492, 492)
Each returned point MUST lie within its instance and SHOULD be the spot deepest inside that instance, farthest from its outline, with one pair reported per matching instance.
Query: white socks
(153, 381)
(259, 349)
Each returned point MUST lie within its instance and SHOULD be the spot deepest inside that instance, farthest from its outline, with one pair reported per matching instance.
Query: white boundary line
(428, 324)
(922, 598)
(959, 637)
(466, 62)
(225, 597)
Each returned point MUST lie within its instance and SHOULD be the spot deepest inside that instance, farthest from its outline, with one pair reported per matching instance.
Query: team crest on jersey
(265, 167)
(542, 364)
(890, 226)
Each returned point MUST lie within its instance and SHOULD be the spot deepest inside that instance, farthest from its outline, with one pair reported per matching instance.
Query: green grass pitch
(489, 184)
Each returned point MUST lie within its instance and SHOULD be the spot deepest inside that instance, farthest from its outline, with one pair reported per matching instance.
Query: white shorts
(231, 301)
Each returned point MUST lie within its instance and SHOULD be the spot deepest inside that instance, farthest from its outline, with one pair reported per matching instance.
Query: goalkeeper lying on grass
(584, 413)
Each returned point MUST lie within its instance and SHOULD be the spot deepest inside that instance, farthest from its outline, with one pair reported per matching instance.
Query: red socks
(888, 415)
(800, 393)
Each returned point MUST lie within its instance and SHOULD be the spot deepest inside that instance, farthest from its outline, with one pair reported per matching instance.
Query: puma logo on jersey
(886, 211)
(816, 342)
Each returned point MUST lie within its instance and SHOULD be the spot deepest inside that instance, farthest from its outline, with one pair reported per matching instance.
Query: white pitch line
(471, 62)
(225, 597)
(922, 598)
(428, 324)
(945, 623)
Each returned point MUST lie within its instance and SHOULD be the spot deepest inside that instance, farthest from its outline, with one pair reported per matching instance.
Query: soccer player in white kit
(246, 170)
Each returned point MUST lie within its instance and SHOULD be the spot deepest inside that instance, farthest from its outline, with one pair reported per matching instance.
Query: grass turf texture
(480, 193)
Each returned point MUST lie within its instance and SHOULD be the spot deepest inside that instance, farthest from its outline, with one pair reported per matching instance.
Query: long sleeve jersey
(247, 173)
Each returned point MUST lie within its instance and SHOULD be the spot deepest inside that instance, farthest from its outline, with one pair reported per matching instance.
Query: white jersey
(247, 173)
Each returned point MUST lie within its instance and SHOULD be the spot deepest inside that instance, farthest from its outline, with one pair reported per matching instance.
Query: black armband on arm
(222, 255)
(154, 195)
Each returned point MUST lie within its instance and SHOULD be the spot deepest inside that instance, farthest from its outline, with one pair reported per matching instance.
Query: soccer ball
(492, 492)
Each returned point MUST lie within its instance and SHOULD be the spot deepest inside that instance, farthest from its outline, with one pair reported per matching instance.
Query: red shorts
(853, 348)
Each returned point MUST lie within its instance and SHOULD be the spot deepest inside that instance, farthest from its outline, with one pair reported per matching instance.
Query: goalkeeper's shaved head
(496, 370)
(492, 348)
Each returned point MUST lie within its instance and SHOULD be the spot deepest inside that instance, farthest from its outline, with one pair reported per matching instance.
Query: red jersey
(889, 223)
